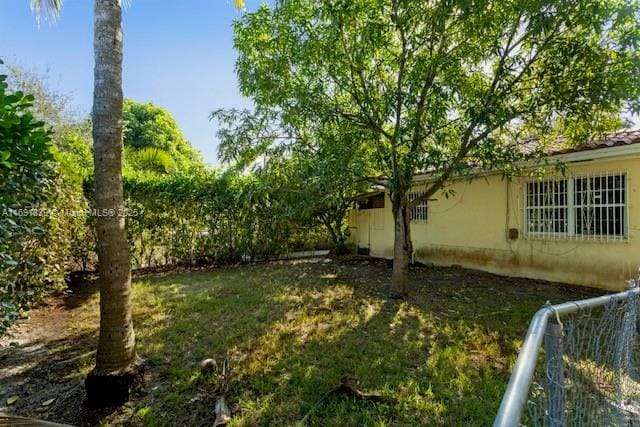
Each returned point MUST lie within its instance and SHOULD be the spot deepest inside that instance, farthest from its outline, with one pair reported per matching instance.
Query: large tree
(118, 368)
(449, 87)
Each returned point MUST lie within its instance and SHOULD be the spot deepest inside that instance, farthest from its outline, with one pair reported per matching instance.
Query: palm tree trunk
(118, 368)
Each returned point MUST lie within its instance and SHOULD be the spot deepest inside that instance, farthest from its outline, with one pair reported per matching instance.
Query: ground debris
(223, 414)
(15, 421)
(348, 386)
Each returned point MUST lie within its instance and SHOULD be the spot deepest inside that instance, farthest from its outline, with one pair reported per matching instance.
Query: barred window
(600, 203)
(583, 207)
(547, 207)
(419, 212)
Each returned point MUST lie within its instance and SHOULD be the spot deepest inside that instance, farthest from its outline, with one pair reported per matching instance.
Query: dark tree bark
(338, 237)
(118, 369)
(402, 246)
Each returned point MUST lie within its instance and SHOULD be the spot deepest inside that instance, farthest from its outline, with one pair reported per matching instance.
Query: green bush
(42, 226)
(186, 215)
(27, 175)
(212, 217)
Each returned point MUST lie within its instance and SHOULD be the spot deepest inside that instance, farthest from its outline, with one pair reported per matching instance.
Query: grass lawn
(292, 330)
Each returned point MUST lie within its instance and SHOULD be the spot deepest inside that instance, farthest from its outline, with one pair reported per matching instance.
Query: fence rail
(589, 353)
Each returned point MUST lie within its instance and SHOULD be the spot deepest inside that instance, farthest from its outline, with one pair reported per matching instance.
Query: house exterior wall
(471, 229)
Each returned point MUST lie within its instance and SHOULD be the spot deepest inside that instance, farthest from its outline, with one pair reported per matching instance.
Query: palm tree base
(398, 295)
(113, 388)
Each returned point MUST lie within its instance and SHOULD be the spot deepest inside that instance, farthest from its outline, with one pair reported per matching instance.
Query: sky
(177, 54)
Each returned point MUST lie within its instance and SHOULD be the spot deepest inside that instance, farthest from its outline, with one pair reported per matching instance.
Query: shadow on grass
(292, 330)
(40, 371)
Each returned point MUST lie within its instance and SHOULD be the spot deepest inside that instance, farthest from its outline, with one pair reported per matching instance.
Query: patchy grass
(292, 330)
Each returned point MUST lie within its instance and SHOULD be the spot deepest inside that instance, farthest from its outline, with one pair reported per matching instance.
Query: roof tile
(622, 137)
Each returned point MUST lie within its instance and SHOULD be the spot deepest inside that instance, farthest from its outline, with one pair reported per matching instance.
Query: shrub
(26, 176)
(212, 217)
(42, 225)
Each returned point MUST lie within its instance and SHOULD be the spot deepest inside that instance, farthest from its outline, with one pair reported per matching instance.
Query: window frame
(567, 206)
(422, 208)
(572, 207)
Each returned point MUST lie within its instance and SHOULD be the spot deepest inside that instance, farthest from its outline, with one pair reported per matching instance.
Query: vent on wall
(513, 233)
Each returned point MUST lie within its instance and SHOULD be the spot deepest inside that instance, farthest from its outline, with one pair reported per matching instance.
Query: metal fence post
(542, 329)
(554, 364)
(622, 361)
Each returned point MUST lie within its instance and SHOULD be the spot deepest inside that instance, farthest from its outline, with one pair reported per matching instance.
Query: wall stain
(509, 263)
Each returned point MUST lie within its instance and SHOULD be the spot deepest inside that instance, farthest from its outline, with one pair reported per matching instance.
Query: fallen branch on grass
(347, 386)
(15, 421)
(73, 359)
(223, 414)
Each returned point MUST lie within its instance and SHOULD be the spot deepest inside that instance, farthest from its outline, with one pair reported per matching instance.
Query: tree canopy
(152, 131)
(70, 130)
(318, 165)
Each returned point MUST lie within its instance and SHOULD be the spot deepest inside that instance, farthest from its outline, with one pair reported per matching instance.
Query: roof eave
(629, 150)
(608, 153)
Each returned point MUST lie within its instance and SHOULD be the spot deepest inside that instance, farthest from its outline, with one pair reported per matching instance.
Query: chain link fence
(579, 366)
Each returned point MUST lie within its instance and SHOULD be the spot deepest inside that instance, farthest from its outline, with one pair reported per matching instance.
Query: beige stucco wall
(470, 229)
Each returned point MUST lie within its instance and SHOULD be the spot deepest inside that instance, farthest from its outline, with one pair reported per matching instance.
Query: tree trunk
(338, 237)
(402, 247)
(118, 369)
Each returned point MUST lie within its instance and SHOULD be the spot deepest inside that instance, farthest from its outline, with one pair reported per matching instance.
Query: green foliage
(49, 106)
(74, 234)
(210, 217)
(444, 86)
(320, 167)
(74, 145)
(70, 133)
(447, 87)
(152, 129)
(26, 174)
(150, 159)
(43, 229)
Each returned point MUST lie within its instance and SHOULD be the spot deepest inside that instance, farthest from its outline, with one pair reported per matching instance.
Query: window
(547, 207)
(583, 207)
(419, 212)
(600, 204)
(373, 201)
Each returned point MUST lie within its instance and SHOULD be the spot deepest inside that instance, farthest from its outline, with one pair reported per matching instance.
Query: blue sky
(177, 53)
